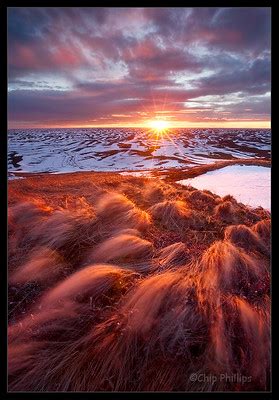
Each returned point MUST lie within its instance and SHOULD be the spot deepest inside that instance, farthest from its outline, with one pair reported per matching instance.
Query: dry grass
(226, 268)
(202, 198)
(246, 238)
(226, 211)
(122, 249)
(115, 210)
(173, 256)
(263, 229)
(130, 284)
(174, 215)
(43, 265)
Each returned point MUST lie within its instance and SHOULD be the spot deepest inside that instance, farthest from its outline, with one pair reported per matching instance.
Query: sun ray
(159, 125)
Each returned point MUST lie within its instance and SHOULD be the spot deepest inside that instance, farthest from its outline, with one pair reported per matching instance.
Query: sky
(192, 67)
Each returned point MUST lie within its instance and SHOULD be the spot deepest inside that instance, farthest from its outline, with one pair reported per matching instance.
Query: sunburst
(159, 125)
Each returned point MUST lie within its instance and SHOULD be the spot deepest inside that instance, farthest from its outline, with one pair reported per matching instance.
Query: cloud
(91, 63)
(252, 79)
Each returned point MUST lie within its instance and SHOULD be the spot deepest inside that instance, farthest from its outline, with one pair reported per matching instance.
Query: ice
(126, 149)
(250, 185)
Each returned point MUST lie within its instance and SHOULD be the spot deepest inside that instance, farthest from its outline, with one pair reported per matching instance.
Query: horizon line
(262, 126)
(135, 127)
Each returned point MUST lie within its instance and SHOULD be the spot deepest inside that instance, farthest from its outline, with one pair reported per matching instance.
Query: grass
(118, 283)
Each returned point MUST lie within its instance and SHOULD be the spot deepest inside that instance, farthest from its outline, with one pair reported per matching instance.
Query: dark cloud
(254, 79)
(244, 28)
(25, 24)
(125, 57)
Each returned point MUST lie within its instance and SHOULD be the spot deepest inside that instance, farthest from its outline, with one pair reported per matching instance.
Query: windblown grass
(123, 248)
(132, 284)
(174, 215)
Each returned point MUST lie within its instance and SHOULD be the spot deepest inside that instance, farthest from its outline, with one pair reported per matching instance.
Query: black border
(4, 5)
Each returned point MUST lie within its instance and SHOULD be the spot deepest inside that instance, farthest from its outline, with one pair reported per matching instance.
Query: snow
(70, 150)
(250, 185)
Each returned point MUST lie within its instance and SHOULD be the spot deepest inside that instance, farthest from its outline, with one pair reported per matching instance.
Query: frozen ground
(249, 185)
(139, 151)
(69, 150)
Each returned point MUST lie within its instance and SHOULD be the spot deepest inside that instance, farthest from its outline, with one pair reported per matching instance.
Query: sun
(159, 125)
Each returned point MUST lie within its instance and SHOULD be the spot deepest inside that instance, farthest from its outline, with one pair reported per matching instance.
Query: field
(123, 283)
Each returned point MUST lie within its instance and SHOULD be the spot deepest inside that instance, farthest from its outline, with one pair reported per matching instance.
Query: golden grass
(132, 284)
(123, 249)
